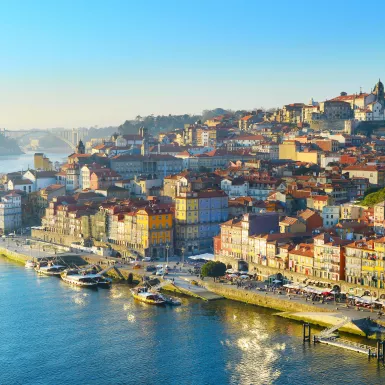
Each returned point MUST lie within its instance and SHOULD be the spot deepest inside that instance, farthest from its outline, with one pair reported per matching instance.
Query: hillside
(9, 146)
(373, 198)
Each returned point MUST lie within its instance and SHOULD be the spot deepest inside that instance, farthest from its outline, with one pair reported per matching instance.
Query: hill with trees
(9, 146)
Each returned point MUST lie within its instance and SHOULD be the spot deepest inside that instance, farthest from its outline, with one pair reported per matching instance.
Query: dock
(329, 337)
(184, 285)
(348, 345)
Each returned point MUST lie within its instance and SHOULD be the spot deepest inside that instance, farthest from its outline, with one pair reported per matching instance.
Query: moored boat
(101, 280)
(143, 295)
(171, 301)
(76, 279)
(50, 269)
(29, 264)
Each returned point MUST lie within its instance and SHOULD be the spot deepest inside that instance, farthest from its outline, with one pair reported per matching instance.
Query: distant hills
(9, 146)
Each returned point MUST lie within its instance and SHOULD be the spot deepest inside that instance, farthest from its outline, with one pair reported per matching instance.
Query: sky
(98, 63)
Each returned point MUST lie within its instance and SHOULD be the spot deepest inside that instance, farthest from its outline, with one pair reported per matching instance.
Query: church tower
(379, 92)
(80, 148)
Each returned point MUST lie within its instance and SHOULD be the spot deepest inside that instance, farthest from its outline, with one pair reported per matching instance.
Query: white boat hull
(75, 282)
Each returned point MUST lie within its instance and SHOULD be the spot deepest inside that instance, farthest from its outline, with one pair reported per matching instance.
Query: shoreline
(289, 309)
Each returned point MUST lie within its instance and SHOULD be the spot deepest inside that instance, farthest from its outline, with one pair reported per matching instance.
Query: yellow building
(288, 149)
(186, 223)
(41, 162)
(155, 230)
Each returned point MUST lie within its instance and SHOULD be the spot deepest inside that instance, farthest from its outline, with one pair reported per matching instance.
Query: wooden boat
(143, 295)
(50, 269)
(75, 279)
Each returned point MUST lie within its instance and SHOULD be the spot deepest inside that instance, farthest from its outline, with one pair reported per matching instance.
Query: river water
(11, 163)
(52, 333)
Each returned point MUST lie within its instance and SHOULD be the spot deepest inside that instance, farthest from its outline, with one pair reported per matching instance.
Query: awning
(206, 257)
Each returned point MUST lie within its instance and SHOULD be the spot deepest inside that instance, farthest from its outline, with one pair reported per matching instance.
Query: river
(52, 333)
(11, 163)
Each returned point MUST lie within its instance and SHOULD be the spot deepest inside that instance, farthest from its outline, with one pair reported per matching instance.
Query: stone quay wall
(266, 271)
(50, 237)
(21, 258)
(253, 298)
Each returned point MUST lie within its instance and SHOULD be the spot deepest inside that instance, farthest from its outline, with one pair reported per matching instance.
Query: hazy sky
(81, 63)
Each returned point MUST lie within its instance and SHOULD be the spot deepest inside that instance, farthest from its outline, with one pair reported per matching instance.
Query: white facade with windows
(10, 212)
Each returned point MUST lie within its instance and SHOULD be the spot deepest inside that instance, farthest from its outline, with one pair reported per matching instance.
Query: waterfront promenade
(291, 306)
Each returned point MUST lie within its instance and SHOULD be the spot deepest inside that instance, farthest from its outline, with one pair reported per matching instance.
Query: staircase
(329, 331)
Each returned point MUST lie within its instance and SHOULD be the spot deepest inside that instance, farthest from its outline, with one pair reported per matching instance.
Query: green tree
(213, 269)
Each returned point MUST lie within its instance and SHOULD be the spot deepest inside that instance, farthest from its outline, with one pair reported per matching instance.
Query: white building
(10, 212)
(330, 215)
(21, 184)
(40, 179)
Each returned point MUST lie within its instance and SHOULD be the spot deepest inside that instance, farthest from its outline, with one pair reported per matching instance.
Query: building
(291, 225)
(301, 259)
(330, 216)
(375, 174)
(130, 165)
(155, 230)
(41, 162)
(335, 109)
(10, 213)
(379, 218)
(234, 240)
(103, 178)
(40, 179)
(329, 257)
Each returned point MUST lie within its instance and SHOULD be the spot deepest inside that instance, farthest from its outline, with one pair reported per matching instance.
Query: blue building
(213, 209)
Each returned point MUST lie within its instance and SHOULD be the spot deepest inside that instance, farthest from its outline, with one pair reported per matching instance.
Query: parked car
(151, 268)
(137, 266)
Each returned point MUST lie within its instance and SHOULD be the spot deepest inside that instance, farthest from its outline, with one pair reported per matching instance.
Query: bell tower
(379, 92)
(80, 148)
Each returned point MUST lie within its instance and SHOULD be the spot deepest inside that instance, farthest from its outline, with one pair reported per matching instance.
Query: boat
(74, 278)
(142, 294)
(29, 264)
(50, 269)
(101, 280)
(171, 300)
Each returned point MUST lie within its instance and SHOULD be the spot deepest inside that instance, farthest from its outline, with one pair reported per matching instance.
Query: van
(146, 259)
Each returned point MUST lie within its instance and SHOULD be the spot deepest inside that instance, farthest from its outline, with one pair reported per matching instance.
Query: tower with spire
(379, 92)
(80, 148)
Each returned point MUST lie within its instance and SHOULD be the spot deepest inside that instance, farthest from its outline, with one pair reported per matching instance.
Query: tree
(213, 269)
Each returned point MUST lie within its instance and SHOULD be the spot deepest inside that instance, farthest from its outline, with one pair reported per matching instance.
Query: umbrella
(244, 272)
(233, 276)
(229, 271)
(277, 281)
(244, 276)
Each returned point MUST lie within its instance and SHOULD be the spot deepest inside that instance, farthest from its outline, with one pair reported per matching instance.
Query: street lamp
(182, 249)
(167, 247)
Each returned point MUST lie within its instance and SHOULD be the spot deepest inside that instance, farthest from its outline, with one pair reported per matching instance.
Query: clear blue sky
(81, 63)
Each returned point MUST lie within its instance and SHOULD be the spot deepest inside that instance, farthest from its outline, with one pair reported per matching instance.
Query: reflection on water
(77, 336)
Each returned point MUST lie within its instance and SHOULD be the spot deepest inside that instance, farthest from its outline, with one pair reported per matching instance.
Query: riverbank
(289, 307)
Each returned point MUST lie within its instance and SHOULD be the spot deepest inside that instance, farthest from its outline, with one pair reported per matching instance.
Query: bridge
(71, 136)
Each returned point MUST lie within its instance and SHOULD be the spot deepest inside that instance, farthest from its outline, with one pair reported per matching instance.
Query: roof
(344, 98)
(289, 221)
(21, 181)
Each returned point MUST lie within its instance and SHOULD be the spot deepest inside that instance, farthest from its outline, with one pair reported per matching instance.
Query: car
(137, 266)
(146, 259)
(151, 268)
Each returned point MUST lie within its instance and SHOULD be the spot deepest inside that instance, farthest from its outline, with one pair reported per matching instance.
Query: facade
(329, 257)
(10, 213)
(375, 174)
(330, 216)
(130, 165)
(155, 230)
